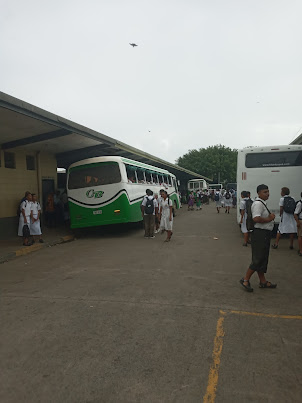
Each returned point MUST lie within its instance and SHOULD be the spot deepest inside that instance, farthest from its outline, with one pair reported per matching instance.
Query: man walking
(263, 225)
(149, 208)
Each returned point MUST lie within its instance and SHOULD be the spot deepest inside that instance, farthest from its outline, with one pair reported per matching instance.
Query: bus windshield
(102, 173)
(275, 159)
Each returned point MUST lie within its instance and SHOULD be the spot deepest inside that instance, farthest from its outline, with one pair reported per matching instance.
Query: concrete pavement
(114, 317)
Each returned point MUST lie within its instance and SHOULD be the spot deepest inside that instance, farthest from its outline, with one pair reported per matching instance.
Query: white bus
(215, 186)
(197, 184)
(109, 190)
(276, 167)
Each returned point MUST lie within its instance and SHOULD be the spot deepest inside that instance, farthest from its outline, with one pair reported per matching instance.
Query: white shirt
(35, 208)
(298, 210)
(243, 203)
(26, 206)
(259, 210)
(155, 203)
(165, 206)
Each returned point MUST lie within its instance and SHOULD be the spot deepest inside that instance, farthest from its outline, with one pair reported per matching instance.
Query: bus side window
(140, 176)
(148, 177)
(131, 174)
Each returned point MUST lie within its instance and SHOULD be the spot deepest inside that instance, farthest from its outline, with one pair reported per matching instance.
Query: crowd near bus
(110, 190)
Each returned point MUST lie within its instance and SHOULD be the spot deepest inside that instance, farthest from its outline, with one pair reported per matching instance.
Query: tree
(216, 162)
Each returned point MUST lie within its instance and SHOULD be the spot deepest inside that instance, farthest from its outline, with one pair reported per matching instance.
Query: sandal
(265, 285)
(291, 247)
(244, 244)
(246, 287)
(275, 246)
(167, 240)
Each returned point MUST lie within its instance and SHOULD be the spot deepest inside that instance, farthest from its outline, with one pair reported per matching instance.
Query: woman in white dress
(228, 201)
(244, 230)
(24, 220)
(166, 215)
(35, 224)
(288, 223)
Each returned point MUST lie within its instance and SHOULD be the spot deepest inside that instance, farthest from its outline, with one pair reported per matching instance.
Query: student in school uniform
(244, 230)
(157, 230)
(199, 195)
(35, 224)
(218, 198)
(298, 218)
(228, 201)
(24, 220)
(166, 216)
(149, 209)
(287, 224)
(223, 191)
(261, 238)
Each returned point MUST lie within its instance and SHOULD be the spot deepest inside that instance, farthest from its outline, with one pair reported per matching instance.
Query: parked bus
(276, 167)
(215, 186)
(196, 184)
(230, 186)
(109, 190)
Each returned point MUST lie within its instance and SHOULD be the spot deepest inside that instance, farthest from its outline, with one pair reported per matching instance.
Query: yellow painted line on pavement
(210, 394)
(267, 315)
(28, 249)
(67, 238)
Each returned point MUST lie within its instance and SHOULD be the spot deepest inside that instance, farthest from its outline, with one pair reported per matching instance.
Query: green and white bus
(109, 190)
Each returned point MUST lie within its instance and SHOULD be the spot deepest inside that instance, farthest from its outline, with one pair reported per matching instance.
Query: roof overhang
(298, 140)
(31, 128)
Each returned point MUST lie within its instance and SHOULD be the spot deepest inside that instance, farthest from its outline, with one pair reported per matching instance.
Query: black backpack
(249, 218)
(216, 197)
(25, 231)
(149, 207)
(250, 224)
(227, 195)
(289, 205)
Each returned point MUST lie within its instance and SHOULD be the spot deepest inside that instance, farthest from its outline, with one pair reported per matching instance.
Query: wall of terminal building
(22, 170)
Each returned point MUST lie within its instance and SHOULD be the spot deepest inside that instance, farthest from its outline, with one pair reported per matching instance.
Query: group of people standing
(29, 213)
(225, 199)
(290, 217)
(157, 212)
(29, 219)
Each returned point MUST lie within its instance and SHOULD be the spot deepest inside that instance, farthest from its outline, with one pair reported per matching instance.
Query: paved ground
(114, 317)
(13, 246)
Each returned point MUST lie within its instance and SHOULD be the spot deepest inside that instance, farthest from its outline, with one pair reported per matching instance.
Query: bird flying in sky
(133, 44)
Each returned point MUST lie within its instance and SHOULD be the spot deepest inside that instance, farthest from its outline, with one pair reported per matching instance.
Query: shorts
(261, 242)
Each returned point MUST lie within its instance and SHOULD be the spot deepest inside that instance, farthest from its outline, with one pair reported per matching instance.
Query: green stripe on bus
(83, 217)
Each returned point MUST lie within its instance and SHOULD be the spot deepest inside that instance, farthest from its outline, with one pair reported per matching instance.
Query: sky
(205, 72)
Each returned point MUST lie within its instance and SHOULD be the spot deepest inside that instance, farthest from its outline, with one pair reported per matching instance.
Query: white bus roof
(271, 148)
(121, 159)
(197, 180)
